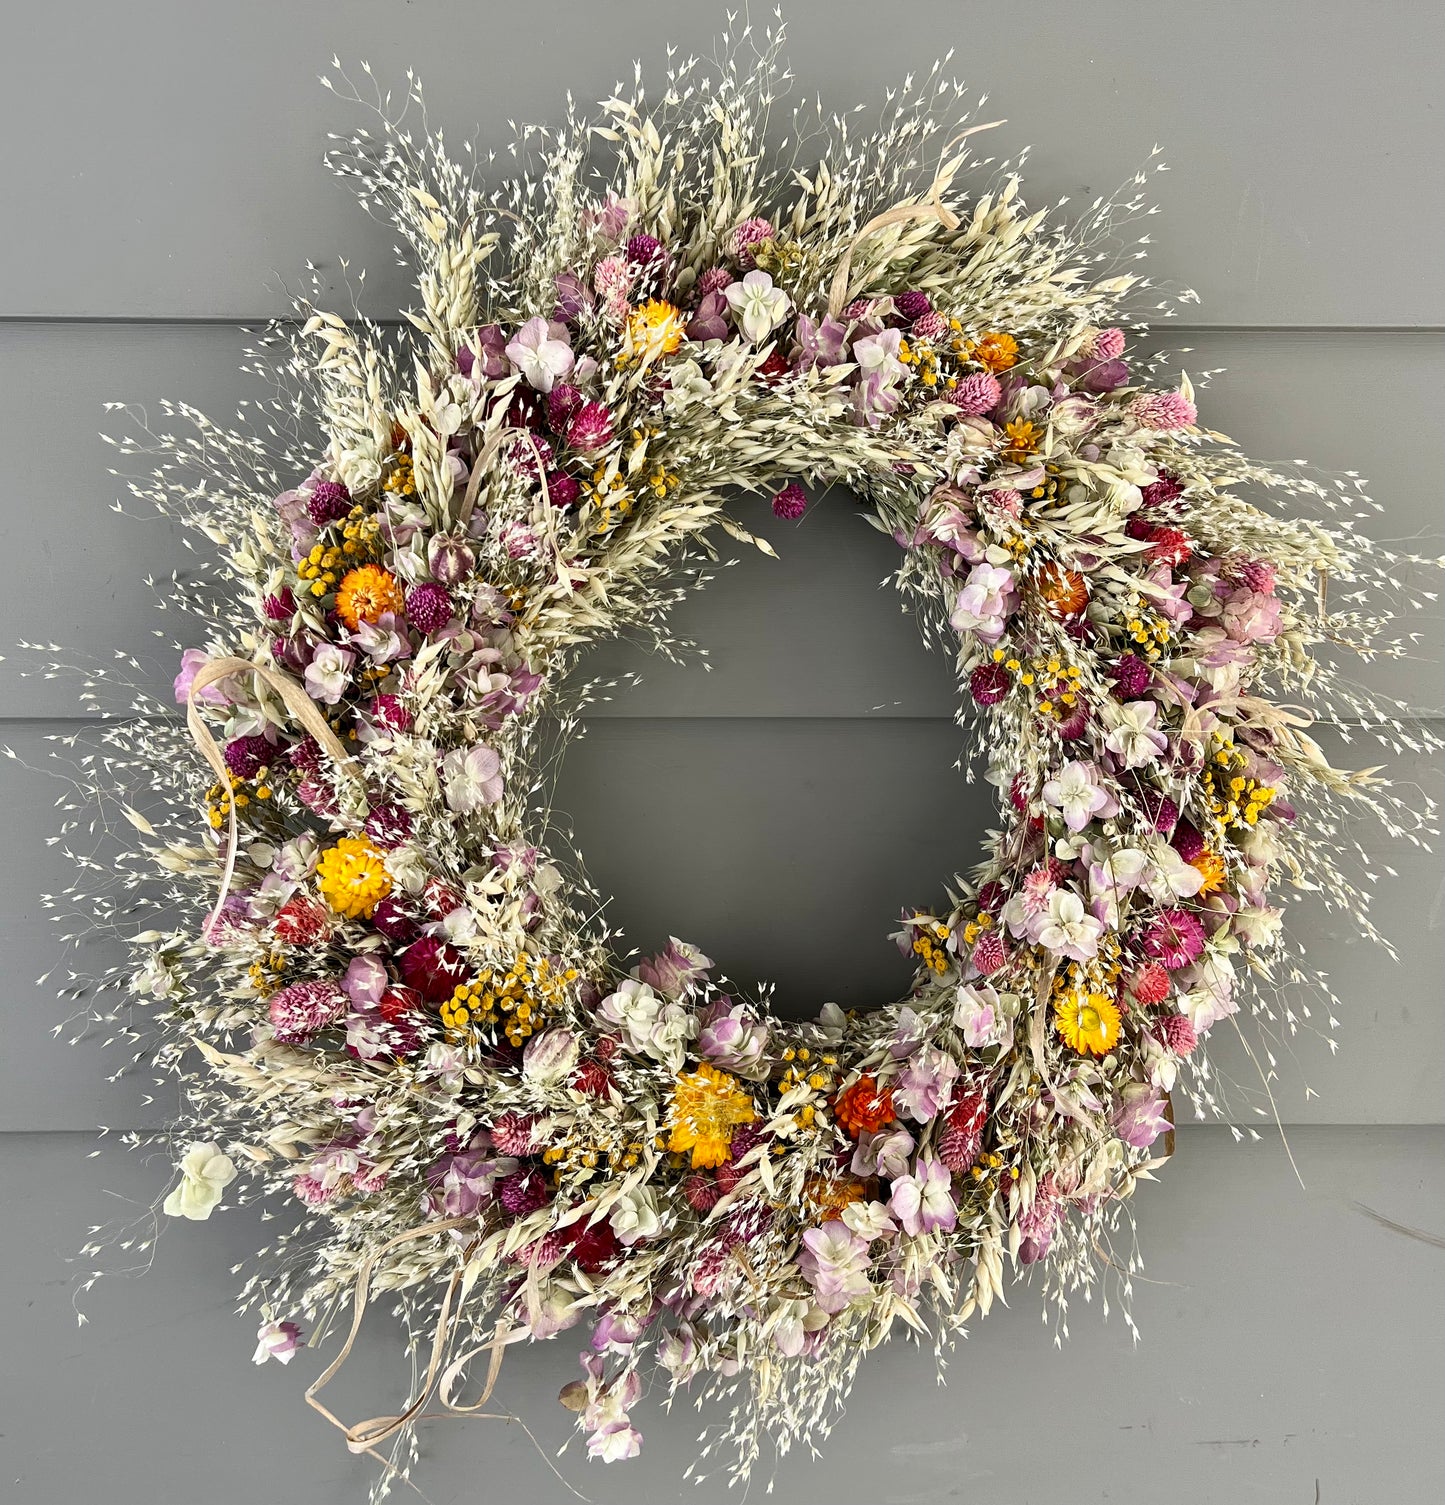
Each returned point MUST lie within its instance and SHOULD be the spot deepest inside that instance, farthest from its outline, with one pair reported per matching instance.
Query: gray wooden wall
(161, 187)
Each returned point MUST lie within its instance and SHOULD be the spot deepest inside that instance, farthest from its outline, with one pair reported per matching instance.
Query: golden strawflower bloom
(654, 329)
(705, 1107)
(366, 593)
(1210, 865)
(352, 877)
(995, 350)
(1088, 1022)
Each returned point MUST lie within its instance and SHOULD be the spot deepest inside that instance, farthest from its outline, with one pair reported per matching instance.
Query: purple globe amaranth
(913, 305)
(247, 756)
(590, 428)
(428, 606)
(989, 683)
(329, 502)
(388, 826)
(790, 503)
(562, 489)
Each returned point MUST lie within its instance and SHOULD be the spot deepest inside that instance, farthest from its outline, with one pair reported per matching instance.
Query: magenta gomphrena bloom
(1132, 675)
(645, 251)
(388, 711)
(313, 1191)
(913, 305)
(1256, 574)
(329, 502)
(858, 308)
(562, 489)
(428, 606)
(281, 606)
(1107, 345)
(523, 1193)
(1163, 411)
(1165, 813)
(975, 394)
(305, 1008)
(988, 684)
(388, 826)
(562, 401)
(1178, 1034)
(790, 503)
(1163, 491)
(590, 428)
(1175, 938)
(714, 280)
(751, 233)
(247, 756)
(930, 326)
(1187, 840)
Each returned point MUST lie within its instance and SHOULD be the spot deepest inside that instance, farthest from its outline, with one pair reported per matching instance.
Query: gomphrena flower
(429, 606)
(790, 503)
(1178, 1034)
(304, 1009)
(747, 237)
(329, 502)
(1164, 411)
(352, 877)
(366, 593)
(913, 306)
(978, 392)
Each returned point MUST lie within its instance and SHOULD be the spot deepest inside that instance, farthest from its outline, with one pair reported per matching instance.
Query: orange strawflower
(1023, 438)
(1211, 866)
(995, 351)
(366, 593)
(863, 1107)
(1063, 591)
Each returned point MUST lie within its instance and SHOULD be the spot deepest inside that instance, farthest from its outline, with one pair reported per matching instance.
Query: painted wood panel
(1288, 1352)
(170, 161)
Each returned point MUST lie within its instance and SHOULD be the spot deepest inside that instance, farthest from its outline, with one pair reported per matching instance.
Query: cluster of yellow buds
(322, 568)
(517, 1001)
(818, 1073)
(360, 536)
(220, 797)
(1234, 799)
(1056, 682)
(981, 922)
(1150, 634)
(609, 495)
(663, 480)
(401, 476)
(924, 360)
(930, 944)
(264, 974)
(576, 1157)
(987, 1165)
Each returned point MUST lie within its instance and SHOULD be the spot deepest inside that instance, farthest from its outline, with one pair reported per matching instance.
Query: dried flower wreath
(389, 1000)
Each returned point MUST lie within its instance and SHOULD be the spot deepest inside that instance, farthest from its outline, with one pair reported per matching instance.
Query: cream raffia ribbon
(297, 702)
(366, 1436)
(932, 207)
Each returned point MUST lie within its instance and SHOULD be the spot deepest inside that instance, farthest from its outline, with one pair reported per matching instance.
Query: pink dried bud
(990, 954)
(714, 280)
(388, 711)
(975, 394)
(1149, 985)
(562, 489)
(303, 920)
(1163, 411)
(305, 1008)
(247, 756)
(1187, 840)
(790, 503)
(1132, 675)
(989, 684)
(749, 235)
(1107, 345)
(701, 1193)
(912, 305)
(1178, 1034)
(645, 251)
(523, 1193)
(930, 326)
(514, 1133)
(562, 401)
(279, 607)
(450, 559)
(389, 826)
